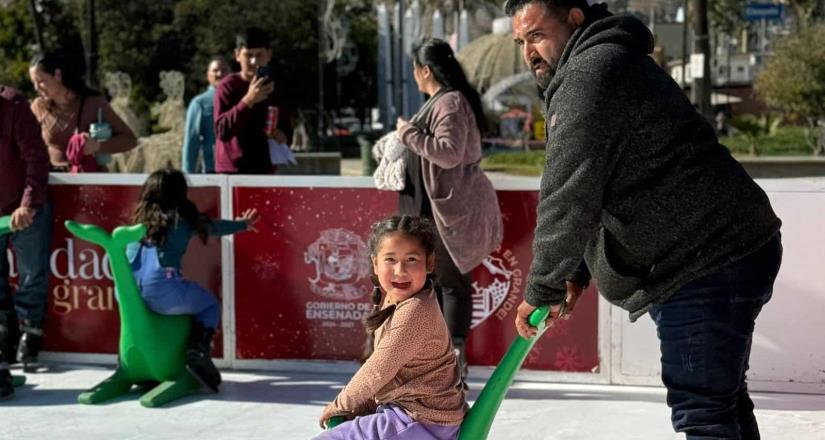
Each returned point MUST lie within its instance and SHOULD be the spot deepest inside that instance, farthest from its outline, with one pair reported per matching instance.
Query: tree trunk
(38, 28)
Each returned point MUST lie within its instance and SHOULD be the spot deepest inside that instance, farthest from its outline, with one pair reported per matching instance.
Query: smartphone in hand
(263, 72)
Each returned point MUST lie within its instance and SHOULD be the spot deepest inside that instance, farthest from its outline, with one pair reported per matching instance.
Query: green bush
(784, 141)
(522, 163)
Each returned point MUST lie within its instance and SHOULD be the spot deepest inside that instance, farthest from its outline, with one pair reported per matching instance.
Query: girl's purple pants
(389, 423)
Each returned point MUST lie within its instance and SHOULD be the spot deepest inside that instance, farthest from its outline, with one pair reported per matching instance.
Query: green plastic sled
(152, 347)
(5, 228)
(479, 420)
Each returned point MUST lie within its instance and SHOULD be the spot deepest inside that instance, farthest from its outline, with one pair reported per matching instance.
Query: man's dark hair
(252, 38)
(554, 6)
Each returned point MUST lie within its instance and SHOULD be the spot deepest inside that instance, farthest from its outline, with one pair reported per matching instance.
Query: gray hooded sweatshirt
(635, 180)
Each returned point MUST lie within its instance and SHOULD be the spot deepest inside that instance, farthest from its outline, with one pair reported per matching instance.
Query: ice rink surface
(286, 405)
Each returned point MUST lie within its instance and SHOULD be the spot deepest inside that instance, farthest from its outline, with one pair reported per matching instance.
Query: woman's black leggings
(455, 293)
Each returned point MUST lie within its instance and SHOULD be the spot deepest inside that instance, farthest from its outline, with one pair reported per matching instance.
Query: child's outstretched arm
(250, 216)
(245, 222)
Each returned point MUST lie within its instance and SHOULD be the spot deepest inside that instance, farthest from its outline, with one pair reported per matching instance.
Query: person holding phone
(242, 105)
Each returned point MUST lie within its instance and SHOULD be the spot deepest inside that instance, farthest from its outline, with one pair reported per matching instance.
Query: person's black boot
(6, 382)
(198, 357)
(29, 347)
(9, 334)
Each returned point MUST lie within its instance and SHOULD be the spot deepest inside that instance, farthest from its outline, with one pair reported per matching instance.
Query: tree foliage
(727, 16)
(137, 37)
(793, 81)
(18, 41)
(803, 10)
(144, 37)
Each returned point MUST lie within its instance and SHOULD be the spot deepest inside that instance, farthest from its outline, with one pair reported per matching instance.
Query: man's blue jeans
(31, 247)
(705, 331)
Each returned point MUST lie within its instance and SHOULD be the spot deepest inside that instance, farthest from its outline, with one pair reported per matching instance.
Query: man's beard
(543, 79)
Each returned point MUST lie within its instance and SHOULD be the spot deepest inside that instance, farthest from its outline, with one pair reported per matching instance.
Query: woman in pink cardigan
(444, 180)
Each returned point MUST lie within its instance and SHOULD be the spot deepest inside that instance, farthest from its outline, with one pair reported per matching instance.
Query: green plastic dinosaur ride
(152, 349)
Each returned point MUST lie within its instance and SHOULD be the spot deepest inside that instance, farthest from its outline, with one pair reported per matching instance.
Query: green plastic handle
(479, 420)
(334, 421)
(5, 225)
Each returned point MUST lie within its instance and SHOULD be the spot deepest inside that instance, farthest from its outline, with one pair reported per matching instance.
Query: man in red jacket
(24, 178)
(242, 104)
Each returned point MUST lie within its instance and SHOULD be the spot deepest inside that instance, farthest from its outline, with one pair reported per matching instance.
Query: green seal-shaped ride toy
(479, 420)
(152, 346)
(5, 228)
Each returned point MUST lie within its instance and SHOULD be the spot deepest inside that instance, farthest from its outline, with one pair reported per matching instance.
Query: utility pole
(702, 84)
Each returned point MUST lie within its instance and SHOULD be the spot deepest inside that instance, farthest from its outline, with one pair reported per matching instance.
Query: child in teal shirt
(171, 220)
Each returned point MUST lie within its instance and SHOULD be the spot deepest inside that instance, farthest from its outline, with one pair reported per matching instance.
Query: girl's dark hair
(163, 199)
(418, 228)
(71, 70)
(438, 56)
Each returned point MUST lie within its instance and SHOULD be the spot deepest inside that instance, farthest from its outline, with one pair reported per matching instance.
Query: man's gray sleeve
(587, 123)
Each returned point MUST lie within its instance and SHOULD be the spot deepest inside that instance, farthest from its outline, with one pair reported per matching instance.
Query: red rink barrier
(299, 287)
(302, 283)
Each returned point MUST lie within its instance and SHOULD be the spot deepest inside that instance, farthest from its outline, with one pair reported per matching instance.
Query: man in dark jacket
(637, 185)
(24, 178)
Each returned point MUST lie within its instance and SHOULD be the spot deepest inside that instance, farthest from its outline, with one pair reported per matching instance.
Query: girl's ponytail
(377, 316)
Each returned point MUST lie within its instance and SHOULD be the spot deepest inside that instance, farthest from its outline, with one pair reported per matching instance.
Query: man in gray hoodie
(637, 186)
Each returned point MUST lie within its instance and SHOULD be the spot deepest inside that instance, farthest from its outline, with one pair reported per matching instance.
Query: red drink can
(271, 119)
